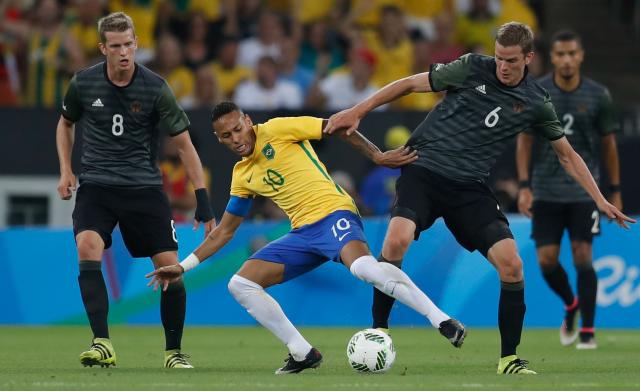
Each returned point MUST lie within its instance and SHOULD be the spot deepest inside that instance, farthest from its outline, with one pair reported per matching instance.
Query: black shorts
(144, 216)
(470, 210)
(550, 219)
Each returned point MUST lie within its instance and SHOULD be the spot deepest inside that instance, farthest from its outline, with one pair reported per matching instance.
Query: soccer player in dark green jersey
(557, 201)
(489, 101)
(122, 107)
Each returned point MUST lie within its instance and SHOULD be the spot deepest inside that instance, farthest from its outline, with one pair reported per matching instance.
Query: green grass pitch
(45, 358)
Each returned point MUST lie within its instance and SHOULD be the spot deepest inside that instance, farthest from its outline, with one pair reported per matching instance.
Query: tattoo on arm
(361, 144)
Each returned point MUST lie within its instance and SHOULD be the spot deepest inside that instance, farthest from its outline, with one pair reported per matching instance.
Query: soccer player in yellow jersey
(278, 162)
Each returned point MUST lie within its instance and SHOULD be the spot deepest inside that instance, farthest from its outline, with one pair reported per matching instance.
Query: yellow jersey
(285, 168)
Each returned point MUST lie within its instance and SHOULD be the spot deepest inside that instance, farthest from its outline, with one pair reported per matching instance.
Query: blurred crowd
(265, 55)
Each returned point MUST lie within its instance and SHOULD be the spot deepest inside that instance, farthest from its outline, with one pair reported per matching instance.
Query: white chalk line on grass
(261, 385)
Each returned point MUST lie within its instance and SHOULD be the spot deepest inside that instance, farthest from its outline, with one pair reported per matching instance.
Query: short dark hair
(222, 109)
(565, 36)
(514, 33)
(117, 21)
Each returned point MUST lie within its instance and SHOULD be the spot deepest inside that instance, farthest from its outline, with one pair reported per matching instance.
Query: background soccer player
(558, 202)
(121, 105)
(279, 163)
(489, 100)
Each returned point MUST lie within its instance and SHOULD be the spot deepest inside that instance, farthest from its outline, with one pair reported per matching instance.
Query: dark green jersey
(121, 125)
(464, 134)
(587, 114)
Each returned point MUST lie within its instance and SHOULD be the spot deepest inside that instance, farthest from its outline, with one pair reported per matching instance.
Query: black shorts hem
(493, 233)
(545, 242)
(155, 252)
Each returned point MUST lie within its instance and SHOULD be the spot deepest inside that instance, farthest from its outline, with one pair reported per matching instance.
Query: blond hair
(117, 21)
(514, 33)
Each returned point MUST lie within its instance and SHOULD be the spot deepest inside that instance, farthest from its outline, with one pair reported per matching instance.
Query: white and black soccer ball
(371, 351)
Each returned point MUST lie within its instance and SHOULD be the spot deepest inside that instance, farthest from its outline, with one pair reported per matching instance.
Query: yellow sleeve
(237, 188)
(293, 128)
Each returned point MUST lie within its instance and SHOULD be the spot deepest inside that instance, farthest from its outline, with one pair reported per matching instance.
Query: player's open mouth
(124, 62)
(241, 148)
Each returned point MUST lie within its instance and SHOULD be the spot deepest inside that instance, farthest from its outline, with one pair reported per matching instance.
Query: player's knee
(89, 248)
(582, 253)
(547, 263)
(397, 244)
(240, 287)
(510, 269)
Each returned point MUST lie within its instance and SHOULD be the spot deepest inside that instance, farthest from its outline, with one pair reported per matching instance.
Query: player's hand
(66, 185)
(616, 199)
(525, 200)
(347, 119)
(396, 157)
(164, 275)
(614, 214)
(208, 226)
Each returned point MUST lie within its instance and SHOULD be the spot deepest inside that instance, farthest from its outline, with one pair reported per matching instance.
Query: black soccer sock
(94, 296)
(587, 290)
(173, 306)
(382, 303)
(511, 315)
(558, 281)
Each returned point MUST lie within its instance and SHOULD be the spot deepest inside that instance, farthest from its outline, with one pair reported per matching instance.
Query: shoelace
(100, 348)
(181, 358)
(521, 363)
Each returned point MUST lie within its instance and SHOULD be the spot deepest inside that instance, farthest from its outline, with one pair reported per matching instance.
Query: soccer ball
(371, 350)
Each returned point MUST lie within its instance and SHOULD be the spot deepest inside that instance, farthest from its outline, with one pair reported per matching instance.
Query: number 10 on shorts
(340, 227)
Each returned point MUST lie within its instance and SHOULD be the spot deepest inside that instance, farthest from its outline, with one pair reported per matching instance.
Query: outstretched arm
(523, 161)
(575, 166)
(612, 164)
(193, 167)
(394, 158)
(350, 118)
(216, 239)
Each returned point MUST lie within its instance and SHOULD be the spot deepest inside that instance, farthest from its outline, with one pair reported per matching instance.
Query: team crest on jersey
(582, 108)
(268, 151)
(518, 107)
(136, 107)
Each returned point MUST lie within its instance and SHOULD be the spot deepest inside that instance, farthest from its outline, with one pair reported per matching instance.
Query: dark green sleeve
(453, 74)
(546, 122)
(171, 118)
(71, 105)
(607, 120)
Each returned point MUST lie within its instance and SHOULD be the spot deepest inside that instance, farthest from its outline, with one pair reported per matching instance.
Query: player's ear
(248, 120)
(528, 58)
(103, 49)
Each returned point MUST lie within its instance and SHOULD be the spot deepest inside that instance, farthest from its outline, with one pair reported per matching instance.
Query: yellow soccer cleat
(175, 359)
(512, 365)
(100, 353)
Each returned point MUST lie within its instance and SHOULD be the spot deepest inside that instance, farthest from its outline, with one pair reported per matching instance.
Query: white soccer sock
(268, 313)
(395, 283)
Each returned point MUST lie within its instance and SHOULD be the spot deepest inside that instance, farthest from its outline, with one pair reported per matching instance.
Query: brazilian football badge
(269, 152)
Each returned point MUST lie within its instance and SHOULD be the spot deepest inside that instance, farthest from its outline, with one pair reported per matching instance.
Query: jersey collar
(133, 77)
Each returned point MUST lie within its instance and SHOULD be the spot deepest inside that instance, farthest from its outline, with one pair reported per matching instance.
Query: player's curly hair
(222, 109)
(514, 33)
(117, 21)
